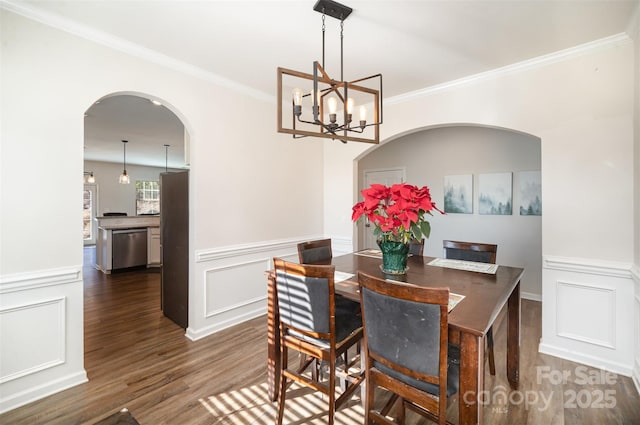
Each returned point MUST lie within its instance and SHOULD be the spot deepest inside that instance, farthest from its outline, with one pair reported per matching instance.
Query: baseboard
(636, 376)
(592, 361)
(196, 334)
(531, 296)
(32, 394)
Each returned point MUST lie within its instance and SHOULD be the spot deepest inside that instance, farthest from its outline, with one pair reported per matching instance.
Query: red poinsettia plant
(398, 212)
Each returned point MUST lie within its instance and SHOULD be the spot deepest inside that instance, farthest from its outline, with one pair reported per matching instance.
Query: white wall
(580, 104)
(241, 187)
(116, 197)
(634, 31)
(429, 155)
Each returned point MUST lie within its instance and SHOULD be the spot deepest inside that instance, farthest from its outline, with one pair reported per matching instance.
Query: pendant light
(166, 158)
(124, 177)
(325, 107)
(91, 179)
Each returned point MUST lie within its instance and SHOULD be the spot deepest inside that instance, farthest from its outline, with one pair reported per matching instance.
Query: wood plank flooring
(138, 359)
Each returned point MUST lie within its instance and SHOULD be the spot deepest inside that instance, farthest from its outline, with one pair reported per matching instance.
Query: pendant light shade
(124, 177)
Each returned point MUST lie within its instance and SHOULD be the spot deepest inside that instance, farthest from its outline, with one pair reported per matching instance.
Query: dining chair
(416, 247)
(481, 253)
(319, 251)
(406, 349)
(311, 325)
(314, 251)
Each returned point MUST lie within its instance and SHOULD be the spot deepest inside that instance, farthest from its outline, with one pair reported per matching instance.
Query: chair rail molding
(38, 279)
(587, 312)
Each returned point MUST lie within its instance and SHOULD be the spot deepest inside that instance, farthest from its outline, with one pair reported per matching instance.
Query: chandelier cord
(341, 48)
(323, 37)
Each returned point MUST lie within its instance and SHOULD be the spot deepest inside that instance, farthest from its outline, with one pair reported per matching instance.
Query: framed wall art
(495, 194)
(530, 188)
(458, 194)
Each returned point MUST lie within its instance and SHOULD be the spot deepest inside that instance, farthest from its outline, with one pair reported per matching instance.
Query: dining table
(480, 295)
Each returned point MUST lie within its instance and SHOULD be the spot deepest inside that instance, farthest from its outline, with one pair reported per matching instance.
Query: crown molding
(116, 43)
(561, 55)
(100, 37)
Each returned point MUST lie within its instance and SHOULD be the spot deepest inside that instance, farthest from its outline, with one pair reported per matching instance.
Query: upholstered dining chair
(481, 253)
(314, 251)
(311, 325)
(416, 247)
(319, 252)
(406, 349)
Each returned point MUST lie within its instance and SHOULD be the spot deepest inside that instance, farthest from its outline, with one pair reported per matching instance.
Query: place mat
(342, 276)
(123, 417)
(470, 266)
(375, 253)
(454, 299)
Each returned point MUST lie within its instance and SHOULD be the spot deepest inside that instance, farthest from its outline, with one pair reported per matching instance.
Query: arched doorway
(157, 147)
(429, 155)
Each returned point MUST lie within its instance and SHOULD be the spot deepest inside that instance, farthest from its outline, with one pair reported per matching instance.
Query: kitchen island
(127, 241)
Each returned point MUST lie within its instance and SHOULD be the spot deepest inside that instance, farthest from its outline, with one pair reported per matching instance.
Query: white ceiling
(414, 44)
(146, 128)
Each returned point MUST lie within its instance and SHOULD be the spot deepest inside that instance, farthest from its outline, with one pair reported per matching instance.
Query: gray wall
(429, 155)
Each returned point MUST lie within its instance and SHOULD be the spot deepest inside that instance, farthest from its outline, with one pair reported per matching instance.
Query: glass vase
(394, 256)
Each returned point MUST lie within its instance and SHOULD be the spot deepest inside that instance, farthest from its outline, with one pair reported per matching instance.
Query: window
(87, 215)
(147, 197)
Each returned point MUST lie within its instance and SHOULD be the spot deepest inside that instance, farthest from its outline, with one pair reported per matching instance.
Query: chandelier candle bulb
(297, 96)
(297, 101)
(363, 117)
(333, 105)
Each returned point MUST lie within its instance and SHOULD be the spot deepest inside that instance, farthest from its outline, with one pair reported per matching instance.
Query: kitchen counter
(105, 242)
(128, 222)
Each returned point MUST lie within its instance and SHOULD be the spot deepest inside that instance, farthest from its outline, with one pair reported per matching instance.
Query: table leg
(273, 341)
(513, 338)
(471, 378)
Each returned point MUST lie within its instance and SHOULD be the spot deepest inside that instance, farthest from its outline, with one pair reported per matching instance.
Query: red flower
(397, 211)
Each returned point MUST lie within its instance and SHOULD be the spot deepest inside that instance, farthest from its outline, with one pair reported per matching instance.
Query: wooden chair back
(406, 346)
(314, 251)
(311, 325)
(470, 251)
(416, 247)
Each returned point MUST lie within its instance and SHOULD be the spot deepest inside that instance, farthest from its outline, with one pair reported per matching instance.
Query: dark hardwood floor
(138, 359)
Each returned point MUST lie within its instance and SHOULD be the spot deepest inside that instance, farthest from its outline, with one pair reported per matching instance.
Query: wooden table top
(485, 294)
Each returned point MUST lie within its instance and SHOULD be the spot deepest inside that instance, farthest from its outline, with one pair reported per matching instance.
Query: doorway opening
(157, 145)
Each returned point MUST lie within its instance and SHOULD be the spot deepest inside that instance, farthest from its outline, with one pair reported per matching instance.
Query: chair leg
(401, 411)
(332, 390)
(492, 362)
(283, 385)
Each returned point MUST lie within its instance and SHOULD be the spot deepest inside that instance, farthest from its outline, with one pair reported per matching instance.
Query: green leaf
(426, 229)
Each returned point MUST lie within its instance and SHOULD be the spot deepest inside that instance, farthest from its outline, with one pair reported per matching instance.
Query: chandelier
(324, 107)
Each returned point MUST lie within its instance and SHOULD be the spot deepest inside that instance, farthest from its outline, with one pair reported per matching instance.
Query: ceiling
(145, 126)
(414, 44)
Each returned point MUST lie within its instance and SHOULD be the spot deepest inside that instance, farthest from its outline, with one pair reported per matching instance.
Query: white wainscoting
(587, 313)
(231, 282)
(38, 327)
(41, 322)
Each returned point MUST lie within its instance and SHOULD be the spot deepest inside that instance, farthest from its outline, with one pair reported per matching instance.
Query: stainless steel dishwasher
(129, 248)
